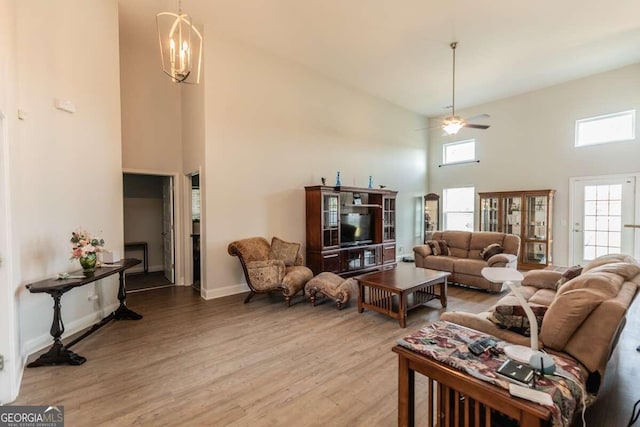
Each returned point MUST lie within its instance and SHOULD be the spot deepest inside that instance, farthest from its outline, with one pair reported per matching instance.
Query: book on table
(517, 372)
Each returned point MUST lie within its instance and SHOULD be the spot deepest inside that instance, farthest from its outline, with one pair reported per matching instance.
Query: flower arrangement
(84, 244)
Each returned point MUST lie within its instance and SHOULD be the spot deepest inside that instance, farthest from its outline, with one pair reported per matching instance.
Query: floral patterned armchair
(268, 268)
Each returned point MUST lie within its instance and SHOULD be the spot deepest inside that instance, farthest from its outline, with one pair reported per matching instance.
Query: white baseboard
(225, 291)
(44, 341)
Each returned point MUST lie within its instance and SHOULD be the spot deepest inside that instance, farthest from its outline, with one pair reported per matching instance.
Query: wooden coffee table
(396, 291)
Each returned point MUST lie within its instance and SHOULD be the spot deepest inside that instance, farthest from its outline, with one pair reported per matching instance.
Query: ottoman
(332, 286)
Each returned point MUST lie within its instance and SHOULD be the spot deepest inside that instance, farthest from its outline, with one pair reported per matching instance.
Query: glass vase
(88, 263)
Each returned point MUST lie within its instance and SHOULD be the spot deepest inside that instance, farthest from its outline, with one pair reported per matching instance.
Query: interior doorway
(149, 231)
(195, 232)
(602, 206)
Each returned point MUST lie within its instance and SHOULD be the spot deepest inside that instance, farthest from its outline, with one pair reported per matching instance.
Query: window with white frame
(458, 208)
(459, 152)
(608, 128)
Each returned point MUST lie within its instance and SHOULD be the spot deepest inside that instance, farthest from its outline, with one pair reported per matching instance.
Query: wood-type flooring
(192, 362)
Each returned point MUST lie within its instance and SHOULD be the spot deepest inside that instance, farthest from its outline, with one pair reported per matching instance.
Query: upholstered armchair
(269, 268)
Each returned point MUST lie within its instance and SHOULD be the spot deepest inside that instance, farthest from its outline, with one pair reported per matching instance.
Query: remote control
(480, 346)
(530, 394)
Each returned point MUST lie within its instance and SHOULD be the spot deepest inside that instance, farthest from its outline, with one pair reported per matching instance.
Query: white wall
(530, 144)
(151, 107)
(193, 140)
(273, 127)
(66, 169)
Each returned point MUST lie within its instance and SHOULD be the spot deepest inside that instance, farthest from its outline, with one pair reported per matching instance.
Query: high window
(608, 128)
(457, 209)
(459, 152)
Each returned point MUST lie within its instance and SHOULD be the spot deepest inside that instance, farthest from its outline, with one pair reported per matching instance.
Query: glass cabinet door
(535, 253)
(389, 217)
(330, 215)
(431, 214)
(511, 211)
(489, 214)
(537, 217)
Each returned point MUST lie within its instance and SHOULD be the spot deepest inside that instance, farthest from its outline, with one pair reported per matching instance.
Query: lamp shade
(180, 47)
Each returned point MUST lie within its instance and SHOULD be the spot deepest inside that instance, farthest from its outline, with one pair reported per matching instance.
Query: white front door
(167, 228)
(601, 208)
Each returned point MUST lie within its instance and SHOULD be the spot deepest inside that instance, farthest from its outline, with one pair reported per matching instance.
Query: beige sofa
(465, 263)
(584, 316)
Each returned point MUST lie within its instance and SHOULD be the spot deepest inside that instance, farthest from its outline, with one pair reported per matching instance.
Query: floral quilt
(448, 343)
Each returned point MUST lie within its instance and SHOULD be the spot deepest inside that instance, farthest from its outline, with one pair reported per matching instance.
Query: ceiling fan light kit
(451, 125)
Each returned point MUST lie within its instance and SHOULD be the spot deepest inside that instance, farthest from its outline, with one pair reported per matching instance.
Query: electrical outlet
(400, 250)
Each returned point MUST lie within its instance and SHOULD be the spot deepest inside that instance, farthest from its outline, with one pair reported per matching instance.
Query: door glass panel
(602, 220)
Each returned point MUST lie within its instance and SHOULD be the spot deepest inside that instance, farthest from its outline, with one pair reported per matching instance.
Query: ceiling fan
(452, 124)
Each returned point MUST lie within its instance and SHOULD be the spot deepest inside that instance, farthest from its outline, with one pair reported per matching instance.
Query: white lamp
(535, 358)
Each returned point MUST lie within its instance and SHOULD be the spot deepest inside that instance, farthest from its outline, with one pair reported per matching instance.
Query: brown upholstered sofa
(465, 263)
(584, 316)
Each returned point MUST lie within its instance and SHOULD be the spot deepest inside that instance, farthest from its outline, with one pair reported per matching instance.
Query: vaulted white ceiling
(399, 49)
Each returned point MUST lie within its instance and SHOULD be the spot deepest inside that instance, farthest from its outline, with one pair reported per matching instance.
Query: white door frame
(188, 274)
(572, 182)
(9, 378)
(178, 232)
(168, 229)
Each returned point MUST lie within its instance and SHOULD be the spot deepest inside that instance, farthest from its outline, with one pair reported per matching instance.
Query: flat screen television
(356, 229)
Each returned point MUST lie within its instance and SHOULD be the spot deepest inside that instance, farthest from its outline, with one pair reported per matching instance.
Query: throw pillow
(491, 250)
(514, 318)
(439, 247)
(572, 272)
(285, 251)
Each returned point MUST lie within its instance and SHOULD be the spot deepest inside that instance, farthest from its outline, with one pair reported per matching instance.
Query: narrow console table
(59, 354)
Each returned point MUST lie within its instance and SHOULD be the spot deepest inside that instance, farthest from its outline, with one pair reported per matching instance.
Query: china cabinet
(527, 214)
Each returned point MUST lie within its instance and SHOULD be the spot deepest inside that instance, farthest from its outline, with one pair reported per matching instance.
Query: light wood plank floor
(225, 363)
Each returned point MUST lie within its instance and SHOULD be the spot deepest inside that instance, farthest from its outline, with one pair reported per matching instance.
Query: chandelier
(180, 46)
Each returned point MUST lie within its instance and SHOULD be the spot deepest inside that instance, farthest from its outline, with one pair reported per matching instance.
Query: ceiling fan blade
(477, 117)
(475, 126)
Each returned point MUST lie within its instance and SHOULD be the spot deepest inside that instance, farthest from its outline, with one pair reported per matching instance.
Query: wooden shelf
(368, 205)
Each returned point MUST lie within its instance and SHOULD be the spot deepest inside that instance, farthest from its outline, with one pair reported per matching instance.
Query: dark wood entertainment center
(350, 230)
